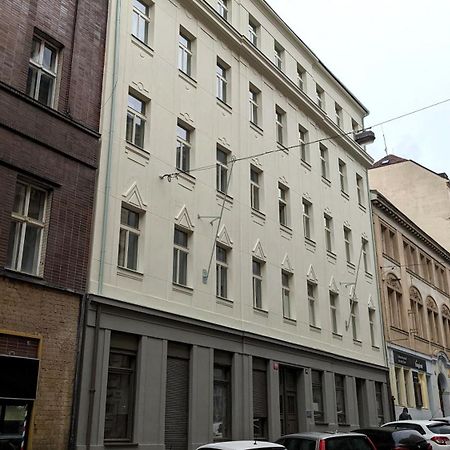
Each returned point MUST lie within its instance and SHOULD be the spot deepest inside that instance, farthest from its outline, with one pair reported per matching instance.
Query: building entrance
(288, 400)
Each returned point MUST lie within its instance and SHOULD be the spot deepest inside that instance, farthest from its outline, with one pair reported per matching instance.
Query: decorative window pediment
(370, 303)
(414, 294)
(286, 264)
(283, 180)
(183, 219)
(333, 286)
(258, 251)
(307, 196)
(133, 197)
(311, 275)
(445, 312)
(223, 237)
(393, 282)
(431, 304)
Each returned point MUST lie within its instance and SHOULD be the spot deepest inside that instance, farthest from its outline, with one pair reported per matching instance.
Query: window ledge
(337, 336)
(368, 275)
(129, 273)
(256, 128)
(282, 148)
(224, 106)
(376, 348)
(258, 215)
(184, 76)
(326, 181)
(315, 328)
(224, 301)
(305, 164)
(357, 342)
(181, 288)
(351, 267)
(186, 180)
(142, 45)
(286, 231)
(345, 195)
(135, 147)
(289, 321)
(310, 244)
(24, 275)
(331, 256)
(222, 196)
(262, 312)
(362, 207)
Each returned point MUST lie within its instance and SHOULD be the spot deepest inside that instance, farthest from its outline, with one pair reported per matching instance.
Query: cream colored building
(423, 195)
(226, 300)
(414, 273)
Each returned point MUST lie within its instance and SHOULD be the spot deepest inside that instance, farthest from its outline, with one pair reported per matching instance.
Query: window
(41, 81)
(379, 402)
(278, 55)
(324, 164)
(222, 8)
(183, 148)
(260, 399)
(338, 115)
(371, 312)
(221, 272)
(135, 121)
(254, 94)
(120, 390)
(303, 144)
(128, 239)
(348, 244)
(394, 292)
(317, 388)
(311, 291)
(307, 219)
(280, 118)
(328, 227)
(257, 283)
(389, 242)
(320, 97)
(26, 233)
(360, 189)
(446, 325)
(342, 175)
(222, 399)
(253, 27)
(180, 257)
(222, 170)
(354, 318)
(416, 305)
(417, 390)
(185, 53)
(140, 21)
(334, 299)
(365, 254)
(283, 197)
(221, 74)
(355, 126)
(300, 77)
(433, 320)
(255, 187)
(285, 295)
(339, 382)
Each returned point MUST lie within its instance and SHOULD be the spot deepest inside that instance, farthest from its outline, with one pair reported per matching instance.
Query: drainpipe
(109, 150)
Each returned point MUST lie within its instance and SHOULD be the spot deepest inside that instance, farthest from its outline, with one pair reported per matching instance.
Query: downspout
(109, 149)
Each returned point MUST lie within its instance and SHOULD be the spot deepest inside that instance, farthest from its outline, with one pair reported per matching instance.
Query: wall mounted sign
(411, 361)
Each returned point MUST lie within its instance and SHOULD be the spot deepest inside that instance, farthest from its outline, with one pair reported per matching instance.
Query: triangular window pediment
(224, 237)
(286, 264)
(311, 275)
(258, 251)
(333, 286)
(183, 219)
(133, 197)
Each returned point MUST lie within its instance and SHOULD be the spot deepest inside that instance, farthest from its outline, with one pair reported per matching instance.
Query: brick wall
(30, 309)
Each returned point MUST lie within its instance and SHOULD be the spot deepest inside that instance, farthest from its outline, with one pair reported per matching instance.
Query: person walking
(405, 415)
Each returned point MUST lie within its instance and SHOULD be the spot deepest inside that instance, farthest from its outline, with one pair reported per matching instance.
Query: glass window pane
(13, 245)
(133, 219)
(180, 238)
(140, 7)
(46, 89)
(136, 104)
(175, 266)
(32, 81)
(49, 58)
(129, 132)
(37, 203)
(35, 49)
(31, 249)
(19, 199)
(139, 128)
(132, 251)
(182, 275)
(122, 246)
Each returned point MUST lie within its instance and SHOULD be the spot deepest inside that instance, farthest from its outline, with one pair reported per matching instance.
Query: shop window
(260, 414)
(317, 388)
(379, 402)
(417, 390)
(339, 381)
(222, 396)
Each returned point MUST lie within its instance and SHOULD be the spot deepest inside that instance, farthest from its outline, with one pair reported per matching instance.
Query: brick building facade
(51, 71)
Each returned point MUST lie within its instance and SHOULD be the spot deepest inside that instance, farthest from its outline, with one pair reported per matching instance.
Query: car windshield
(348, 443)
(440, 428)
(298, 444)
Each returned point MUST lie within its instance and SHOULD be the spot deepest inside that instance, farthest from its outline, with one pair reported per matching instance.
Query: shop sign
(410, 361)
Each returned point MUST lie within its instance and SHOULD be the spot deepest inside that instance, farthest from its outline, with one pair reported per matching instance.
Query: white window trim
(185, 147)
(131, 111)
(185, 57)
(145, 18)
(130, 230)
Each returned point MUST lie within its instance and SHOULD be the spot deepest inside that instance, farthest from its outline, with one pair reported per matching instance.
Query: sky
(394, 56)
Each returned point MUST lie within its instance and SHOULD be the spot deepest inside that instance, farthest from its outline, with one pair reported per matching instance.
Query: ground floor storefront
(38, 348)
(155, 380)
(419, 382)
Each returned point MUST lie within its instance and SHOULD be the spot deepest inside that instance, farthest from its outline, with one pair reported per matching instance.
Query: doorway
(288, 400)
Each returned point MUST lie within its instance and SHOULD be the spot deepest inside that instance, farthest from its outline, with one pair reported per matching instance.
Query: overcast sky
(394, 56)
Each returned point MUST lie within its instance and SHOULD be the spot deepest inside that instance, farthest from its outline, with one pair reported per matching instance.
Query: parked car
(391, 438)
(437, 433)
(442, 419)
(326, 441)
(242, 445)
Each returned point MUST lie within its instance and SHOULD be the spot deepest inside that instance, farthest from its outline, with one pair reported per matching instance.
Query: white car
(242, 445)
(437, 433)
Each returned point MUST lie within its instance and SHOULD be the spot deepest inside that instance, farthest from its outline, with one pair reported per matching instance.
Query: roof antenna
(384, 139)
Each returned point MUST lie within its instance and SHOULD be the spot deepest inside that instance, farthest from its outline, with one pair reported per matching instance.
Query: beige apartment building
(414, 274)
(233, 289)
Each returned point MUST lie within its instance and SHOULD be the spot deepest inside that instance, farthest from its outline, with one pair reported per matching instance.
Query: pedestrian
(405, 415)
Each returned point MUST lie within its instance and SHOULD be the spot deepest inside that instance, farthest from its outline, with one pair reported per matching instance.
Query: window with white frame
(222, 81)
(365, 254)
(28, 225)
(338, 115)
(286, 294)
(371, 313)
(360, 189)
(343, 176)
(255, 188)
(307, 219)
(222, 170)
(128, 238)
(223, 8)
(180, 256)
(301, 77)
(278, 55)
(303, 143)
(42, 71)
(348, 244)
(312, 300)
(334, 305)
(324, 162)
(257, 268)
(254, 94)
(354, 318)
(135, 121)
(283, 199)
(355, 126)
(280, 119)
(320, 97)
(253, 27)
(183, 157)
(140, 21)
(328, 227)
(221, 271)
(185, 53)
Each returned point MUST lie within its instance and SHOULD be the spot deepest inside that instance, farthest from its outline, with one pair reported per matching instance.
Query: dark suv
(326, 441)
(391, 438)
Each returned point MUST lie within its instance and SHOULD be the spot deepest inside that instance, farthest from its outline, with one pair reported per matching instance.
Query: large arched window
(416, 305)
(433, 320)
(445, 311)
(394, 293)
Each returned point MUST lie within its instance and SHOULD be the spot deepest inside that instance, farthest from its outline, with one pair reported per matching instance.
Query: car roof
(241, 445)
(417, 422)
(319, 435)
